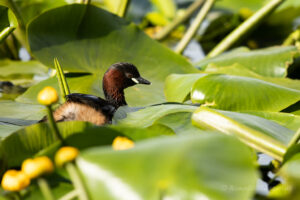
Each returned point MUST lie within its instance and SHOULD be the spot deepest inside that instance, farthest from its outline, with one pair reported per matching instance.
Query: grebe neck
(113, 87)
(115, 96)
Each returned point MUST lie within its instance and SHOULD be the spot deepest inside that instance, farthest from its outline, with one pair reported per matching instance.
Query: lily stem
(76, 180)
(45, 189)
(177, 21)
(54, 125)
(194, 27)
(6, 32)
(244, 28)
(71, 195)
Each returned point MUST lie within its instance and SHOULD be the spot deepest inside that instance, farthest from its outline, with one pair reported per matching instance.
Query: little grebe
(84, 107)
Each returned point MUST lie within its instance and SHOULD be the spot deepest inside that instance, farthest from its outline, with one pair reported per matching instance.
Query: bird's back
(83, 107)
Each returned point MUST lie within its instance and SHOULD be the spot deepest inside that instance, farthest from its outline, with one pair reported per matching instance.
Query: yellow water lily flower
(14, 180)
(65, 154)
(122, 143)
(36, 167)
(47, 96)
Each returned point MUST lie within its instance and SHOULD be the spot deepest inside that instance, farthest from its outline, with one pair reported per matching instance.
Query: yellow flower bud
(14, 180)
(65, 154)
(34, 168)
(47, 96)
(122, 143)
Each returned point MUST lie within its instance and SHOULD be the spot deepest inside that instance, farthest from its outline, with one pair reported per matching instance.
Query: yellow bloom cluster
(36, 167)
(14, 180)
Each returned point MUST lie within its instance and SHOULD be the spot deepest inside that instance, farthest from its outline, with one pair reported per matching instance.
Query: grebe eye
(128, 75)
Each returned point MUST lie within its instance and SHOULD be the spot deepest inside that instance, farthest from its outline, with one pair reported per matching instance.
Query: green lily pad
(178, 86)
(290, 173)
(238, 93)
(31, 8)
(30, 140)
(259, 133)
(14, 116)
(147, 116)
(15, 110)
(177, 167)
(185, 127)
(166, 115)
(10, 67)
(287, 120)
(71, 34)
(239, 70)
(270, 62)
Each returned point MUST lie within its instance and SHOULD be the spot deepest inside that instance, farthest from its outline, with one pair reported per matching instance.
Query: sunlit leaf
(178, 86)
(30, 140)
(159, 168)
(71, 34)
(168, 115)
(239, 70)
(270, 62)
(242, 93)
(9, 67)
(287, 120)
(259, 133)
(147, 116)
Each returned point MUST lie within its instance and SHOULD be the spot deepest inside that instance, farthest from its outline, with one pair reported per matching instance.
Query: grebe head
(118, 77)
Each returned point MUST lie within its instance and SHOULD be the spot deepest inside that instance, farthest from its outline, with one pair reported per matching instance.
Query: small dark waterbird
(84, 107)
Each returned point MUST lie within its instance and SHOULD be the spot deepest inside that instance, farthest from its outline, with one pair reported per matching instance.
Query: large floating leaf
(9, 67)
(166, 114)
(147, 116)
(271, 62)
(290, 172)
(72, 34)
(7, 129)
(30, 140)
(178, 86)
(185, 127)
(14, 115)
(261, 134)
(158, 169)
(30, 8)
(242, 93)
(39, 139)
(239, 70)
(287, 120)
(14, 110)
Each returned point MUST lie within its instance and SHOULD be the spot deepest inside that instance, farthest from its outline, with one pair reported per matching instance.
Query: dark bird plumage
(84, 107)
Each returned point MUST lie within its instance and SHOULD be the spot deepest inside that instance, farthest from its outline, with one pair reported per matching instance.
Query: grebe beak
(141, 80)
